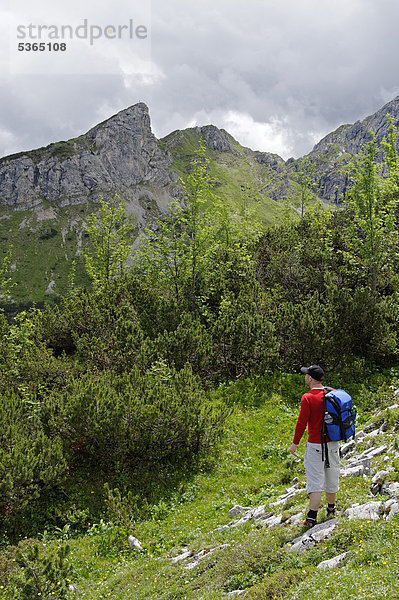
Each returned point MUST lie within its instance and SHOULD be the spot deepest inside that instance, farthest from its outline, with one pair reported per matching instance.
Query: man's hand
(292, 449)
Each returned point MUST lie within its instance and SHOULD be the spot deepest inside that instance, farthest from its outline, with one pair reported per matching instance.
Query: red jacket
(311, 415)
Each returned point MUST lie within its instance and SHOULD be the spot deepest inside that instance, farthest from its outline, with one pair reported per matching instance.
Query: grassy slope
(253, 468)
(230, 171)
(42, 250)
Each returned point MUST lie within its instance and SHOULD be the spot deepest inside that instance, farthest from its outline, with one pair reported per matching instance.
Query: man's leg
(314, 468)
(315, 499)
(330, 498)
(332, 477)
(330, 504)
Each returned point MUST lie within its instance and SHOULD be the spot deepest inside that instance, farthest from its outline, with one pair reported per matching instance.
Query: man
(319, 478)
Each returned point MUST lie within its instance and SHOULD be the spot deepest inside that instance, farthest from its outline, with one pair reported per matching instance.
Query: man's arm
(300, 425)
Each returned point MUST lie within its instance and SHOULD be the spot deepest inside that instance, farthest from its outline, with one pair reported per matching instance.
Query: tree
(44, 572)
(178, 253)
(372, 205)
(110, 232)
(305, 178)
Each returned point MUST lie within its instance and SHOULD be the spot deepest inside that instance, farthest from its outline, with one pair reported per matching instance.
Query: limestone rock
(347, 448)
(182, 556)
(390, 489)
(367, 456)
(202, 554)
(332, 562)
(216, 139)
(289, 493)
(120, 156)
(272, 161)
(312, 537)
(271, 521)
(253, 513)
(238, 510)
(373, 434)
(391, 508)
(337, 148)
(353, 471)
(370, 511)
(295, 519)
(370, 427)
(134, 543)
(380, 476)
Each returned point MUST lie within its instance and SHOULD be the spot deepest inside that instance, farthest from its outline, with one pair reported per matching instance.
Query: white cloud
(267, 137)
(7, 141)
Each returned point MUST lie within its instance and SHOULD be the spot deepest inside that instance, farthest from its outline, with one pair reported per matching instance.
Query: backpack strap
(323, 435)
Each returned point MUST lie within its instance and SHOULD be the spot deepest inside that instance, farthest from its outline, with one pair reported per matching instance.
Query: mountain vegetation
(161, 390)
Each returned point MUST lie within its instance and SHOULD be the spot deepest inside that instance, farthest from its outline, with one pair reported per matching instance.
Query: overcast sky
(277, 74)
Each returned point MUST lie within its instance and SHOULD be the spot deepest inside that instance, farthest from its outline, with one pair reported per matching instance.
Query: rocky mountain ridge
(332, 154)
(122, 155)
(46, 194)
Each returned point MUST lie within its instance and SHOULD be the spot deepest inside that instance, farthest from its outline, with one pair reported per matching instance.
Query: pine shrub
(134, 420)
(31, 462)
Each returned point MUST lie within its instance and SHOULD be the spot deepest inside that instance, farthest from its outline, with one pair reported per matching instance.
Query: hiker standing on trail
(319, 477)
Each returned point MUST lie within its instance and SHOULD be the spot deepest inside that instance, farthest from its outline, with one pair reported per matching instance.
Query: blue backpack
(339, 418)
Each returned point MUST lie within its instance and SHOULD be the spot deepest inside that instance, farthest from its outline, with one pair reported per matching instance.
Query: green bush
(44, 573)
(31, 463)
(189, 343)
(324, 310)
(136, 420)
(108, 329)
(243, 336)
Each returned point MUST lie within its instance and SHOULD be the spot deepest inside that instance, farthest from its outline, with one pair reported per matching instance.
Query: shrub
(44, 572)
(137, 420)
(30, 461)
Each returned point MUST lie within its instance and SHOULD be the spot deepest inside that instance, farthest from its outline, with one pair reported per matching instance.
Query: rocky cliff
(120, 155)
(334, 151)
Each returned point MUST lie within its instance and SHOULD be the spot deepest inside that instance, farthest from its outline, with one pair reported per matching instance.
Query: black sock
(331, 506)
(312, 514)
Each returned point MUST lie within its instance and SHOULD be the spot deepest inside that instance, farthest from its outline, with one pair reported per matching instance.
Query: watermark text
(85, 31)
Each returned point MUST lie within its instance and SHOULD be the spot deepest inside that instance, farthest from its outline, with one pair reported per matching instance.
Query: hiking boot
(330, 511)
(308, 522)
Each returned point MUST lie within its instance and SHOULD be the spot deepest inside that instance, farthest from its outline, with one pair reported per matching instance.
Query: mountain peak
(215, 138)
(114, 156)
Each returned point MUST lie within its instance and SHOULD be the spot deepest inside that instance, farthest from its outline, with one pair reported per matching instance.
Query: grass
(252, 468)
(42, 251)
(232, 172)
(61, 150)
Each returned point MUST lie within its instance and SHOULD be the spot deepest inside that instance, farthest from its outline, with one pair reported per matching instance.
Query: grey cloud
(310, 65)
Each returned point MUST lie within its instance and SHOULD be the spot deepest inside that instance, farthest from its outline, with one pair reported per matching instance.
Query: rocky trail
(370, 455)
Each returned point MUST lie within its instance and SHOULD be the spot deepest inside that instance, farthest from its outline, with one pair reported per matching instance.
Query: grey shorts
(318, 478)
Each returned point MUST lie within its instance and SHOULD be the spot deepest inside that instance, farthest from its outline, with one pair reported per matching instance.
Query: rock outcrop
(119, 156)
(215, 139)
(332, 154)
